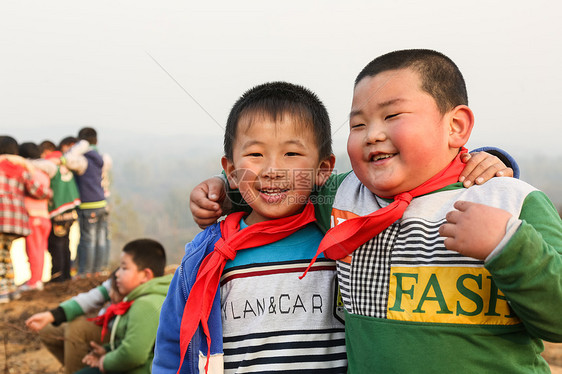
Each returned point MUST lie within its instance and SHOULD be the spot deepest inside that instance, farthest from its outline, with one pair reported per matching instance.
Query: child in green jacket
(131, 339)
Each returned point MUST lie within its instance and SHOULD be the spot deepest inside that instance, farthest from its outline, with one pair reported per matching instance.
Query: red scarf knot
(405, 197)
(225, 249)
(113, 310)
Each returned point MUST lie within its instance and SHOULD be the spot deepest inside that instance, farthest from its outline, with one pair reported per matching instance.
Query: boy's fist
(474, 230)
(206, 201)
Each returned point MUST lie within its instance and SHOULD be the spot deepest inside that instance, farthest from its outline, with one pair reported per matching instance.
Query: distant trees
(150, 195)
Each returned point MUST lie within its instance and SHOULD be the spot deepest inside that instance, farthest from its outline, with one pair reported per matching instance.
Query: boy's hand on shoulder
(206, 200)
(474, 230)
(481, 167)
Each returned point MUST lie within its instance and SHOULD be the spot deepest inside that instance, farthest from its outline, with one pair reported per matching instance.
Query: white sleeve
(46, 166)
(75, 159)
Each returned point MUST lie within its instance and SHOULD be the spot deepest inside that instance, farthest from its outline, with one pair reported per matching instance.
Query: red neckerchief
(200, 300)
(341, 240)
(113, 310)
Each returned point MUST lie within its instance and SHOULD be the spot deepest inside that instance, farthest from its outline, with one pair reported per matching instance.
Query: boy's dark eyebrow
(252, 142)
(378, 105)
(295, 141)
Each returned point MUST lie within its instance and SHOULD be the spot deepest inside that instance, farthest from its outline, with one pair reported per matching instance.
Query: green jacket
(131, 346)
(429, 310)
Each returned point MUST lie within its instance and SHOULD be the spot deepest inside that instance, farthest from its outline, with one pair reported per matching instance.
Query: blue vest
(89, 183)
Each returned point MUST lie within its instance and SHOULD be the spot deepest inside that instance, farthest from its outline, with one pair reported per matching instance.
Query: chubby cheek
(355, 153)
(354, 149)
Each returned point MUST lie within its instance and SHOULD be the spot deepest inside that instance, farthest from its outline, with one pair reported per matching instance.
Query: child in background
(66, 333)
(40, 223)
(89, 167)
(15, 183)
(141, 279)
(66, 143)
(62, 211)
(47, 147)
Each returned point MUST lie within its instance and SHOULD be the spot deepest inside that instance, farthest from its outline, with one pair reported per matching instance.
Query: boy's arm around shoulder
(137, 344)
(167, 351)
(74, 158)
(46, 166)
(323, 199)
(528, 270)
(35, 188)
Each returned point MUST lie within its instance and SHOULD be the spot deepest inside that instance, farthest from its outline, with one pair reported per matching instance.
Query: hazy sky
(171, 70)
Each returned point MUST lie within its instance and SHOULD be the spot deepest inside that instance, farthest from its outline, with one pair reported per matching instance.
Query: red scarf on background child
(341, 240)
(113, 310)
(200, 300)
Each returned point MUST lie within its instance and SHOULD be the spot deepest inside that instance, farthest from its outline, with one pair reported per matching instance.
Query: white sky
(107, 64)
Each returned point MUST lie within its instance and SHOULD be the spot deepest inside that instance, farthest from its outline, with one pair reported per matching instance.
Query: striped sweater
(275, 322)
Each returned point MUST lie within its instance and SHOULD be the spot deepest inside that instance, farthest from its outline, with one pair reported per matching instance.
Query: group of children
(42, 186)
(393, 267)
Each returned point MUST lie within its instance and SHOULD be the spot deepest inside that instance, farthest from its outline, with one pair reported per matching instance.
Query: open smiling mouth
(381, 156)
(273, 191)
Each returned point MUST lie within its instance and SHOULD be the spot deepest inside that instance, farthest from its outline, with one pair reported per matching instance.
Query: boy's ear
(461, 122)
(148, 274)
(325, 169)
(228, 167)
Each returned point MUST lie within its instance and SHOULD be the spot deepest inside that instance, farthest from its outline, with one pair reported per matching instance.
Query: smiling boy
(236, 303)
(479, 300)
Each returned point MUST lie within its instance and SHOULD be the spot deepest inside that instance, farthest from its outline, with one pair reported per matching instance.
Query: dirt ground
(20, 349)
(22, 353)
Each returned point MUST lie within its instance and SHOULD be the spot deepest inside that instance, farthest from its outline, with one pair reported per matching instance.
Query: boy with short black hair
(248, 311)
(479, 300)
(89, 167)
(140, 278)
(66, 143)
